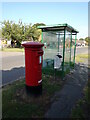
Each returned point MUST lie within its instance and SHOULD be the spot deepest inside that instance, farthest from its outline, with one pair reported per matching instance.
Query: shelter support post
(42, 37)
(70, 48)
(75, 48)
(63, 53)
(58, 42)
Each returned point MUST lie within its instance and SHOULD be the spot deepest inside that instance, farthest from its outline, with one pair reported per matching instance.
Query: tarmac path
(65, 99)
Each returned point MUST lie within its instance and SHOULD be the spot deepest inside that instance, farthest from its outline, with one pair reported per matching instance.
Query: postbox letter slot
(40, 52)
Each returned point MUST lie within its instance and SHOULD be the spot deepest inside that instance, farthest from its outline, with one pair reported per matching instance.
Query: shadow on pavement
(9, 76)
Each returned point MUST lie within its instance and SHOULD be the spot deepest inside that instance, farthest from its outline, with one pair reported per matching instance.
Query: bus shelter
(59, 39)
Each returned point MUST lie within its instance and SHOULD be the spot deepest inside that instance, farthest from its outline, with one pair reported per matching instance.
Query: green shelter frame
(66, 33)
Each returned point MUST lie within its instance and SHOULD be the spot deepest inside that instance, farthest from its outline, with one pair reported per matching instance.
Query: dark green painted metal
(58, 42)
(63, 54)
(42, 37)
(58, 27)
(75, 48)
(70, 48)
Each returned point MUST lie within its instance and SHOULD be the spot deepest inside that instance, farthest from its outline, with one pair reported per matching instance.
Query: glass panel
(53, 45)
(72, 48)
(67, 51)
(50, 45)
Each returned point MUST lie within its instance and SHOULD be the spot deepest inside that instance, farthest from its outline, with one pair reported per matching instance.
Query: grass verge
(82, 58)
(17, 104)
(81, 108)
(12, 49)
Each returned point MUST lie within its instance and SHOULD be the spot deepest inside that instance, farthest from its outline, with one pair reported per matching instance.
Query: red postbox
(33, 64)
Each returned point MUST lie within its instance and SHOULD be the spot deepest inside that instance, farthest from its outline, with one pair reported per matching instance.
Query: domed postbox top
(32, 44)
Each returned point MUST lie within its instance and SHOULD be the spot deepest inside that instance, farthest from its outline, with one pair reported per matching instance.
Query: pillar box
(33, 65)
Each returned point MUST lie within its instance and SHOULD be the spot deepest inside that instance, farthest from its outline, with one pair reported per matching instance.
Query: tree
(6, 29)
(81, 39)
(0, 33)
(20, 32)
(32, 32)
(13, 31)
(87, 39)
(39, 24)
(36, 31)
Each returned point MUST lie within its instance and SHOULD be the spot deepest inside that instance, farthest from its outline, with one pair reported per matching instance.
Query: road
(13, 65)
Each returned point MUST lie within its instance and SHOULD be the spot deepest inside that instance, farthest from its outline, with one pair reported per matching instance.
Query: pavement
(65, 99)
(8, 54)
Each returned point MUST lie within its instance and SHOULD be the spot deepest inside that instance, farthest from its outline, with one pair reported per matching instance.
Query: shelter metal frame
(60, 29)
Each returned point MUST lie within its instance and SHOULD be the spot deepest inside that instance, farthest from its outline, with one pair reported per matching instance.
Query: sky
(73, 13)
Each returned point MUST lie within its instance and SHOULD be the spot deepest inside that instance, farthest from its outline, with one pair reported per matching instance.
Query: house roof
(58, 27)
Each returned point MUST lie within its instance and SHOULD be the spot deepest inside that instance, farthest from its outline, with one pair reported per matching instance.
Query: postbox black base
(34, 90)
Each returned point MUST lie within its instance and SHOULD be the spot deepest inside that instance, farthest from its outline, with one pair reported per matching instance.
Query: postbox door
(38, 67)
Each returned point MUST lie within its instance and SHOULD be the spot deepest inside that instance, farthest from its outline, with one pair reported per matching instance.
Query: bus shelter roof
(58, 28)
